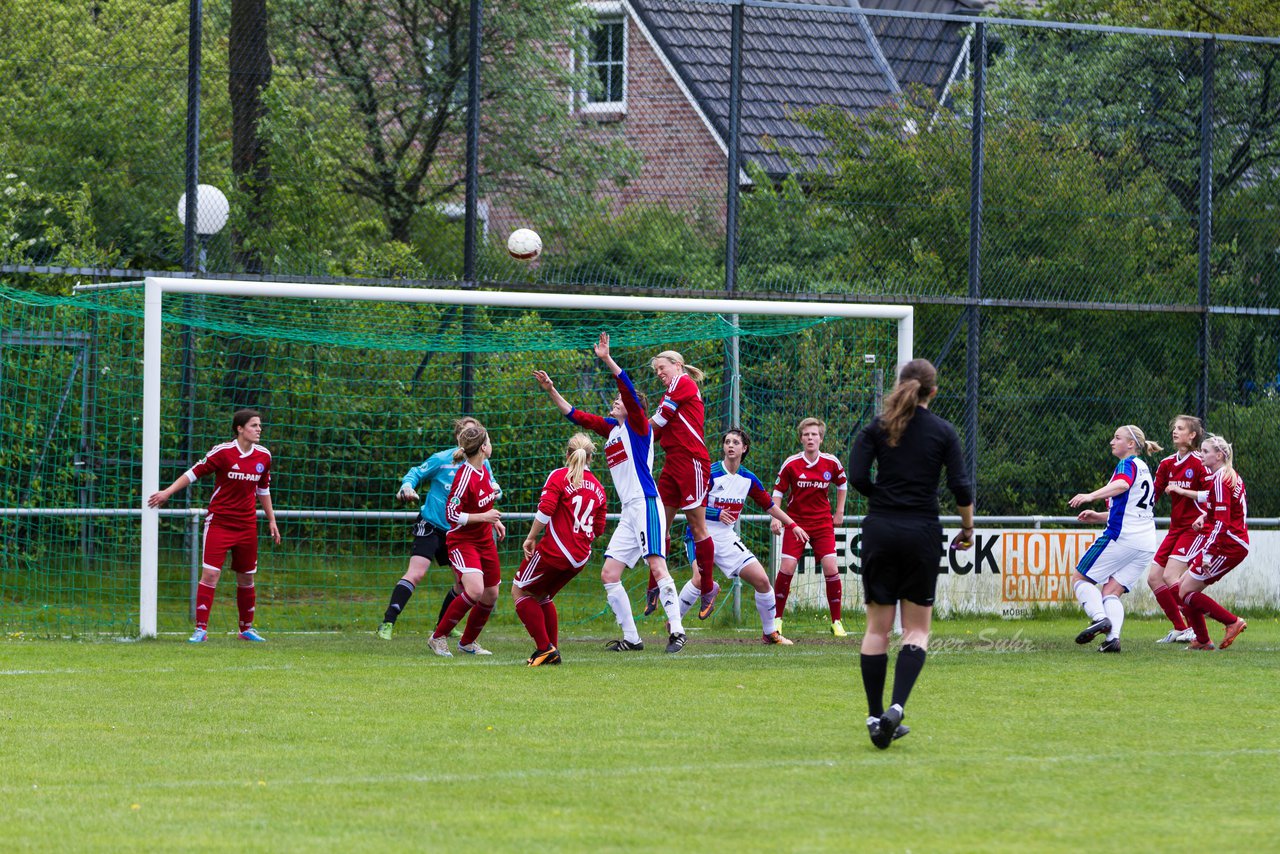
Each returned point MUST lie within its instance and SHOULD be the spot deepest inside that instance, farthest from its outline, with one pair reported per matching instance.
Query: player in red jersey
(1184, 469)
(805, 479)
(571, 511)
(686, 472)
(473, 522)
(1221, 546)
(242, 470)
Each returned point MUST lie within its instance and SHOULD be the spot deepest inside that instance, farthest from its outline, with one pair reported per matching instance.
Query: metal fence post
(732, 193)
(473, 196)
(190, 238)
(978, 128)
(1206, 220)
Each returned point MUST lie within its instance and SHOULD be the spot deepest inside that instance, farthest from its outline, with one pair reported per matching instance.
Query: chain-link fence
(1086, 216)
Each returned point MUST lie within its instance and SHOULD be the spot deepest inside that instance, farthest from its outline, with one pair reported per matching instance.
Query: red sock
(204, 604)
(781, 590)
(1203, 603)
(457, 609)
(653, 581)
(1196, 618)
(834, 591)
(246, 601)
(552, 620)
(704, 552)
(530, 613)
(475, 623)
(1168, 603)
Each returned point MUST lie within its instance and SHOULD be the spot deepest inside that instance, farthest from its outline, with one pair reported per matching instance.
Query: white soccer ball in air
(524, 244)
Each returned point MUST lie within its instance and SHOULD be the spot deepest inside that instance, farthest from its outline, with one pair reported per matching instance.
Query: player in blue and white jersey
(1117, 559)
(428, 529)
(641, 531)
(731, 487)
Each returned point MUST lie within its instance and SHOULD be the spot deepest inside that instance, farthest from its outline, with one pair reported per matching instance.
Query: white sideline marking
(453, 778)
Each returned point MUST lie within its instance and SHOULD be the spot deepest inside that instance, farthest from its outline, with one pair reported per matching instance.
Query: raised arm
(546, 384)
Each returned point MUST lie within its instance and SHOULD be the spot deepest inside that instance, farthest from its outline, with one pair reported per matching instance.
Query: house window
(605, 60)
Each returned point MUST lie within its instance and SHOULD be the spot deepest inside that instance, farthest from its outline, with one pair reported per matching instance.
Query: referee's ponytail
(917, 382)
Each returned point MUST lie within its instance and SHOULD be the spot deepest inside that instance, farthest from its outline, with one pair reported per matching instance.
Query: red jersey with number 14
(241, 478)
(473, 491)
(1189, 473)
(806, 484)
(574, 515)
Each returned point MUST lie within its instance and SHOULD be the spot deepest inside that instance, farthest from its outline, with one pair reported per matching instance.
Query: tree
(92, 96)
(1145, 92)
(249, 74)
(399, 69)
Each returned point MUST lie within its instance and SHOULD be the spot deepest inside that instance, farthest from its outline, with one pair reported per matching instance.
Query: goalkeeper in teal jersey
(429, 529)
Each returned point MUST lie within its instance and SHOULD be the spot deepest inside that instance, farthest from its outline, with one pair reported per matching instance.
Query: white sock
(765, 603)
(1090, 599)
(689, 596)
(620, 602)
(671, 604)
(1114, 610)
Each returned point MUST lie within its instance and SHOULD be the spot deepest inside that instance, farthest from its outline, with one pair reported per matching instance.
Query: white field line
(580, 772)
(501, 661)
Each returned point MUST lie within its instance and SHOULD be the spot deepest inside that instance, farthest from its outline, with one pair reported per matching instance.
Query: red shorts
(822, 539)
(467, 557)
(1176, 545)
(241, 542)
(684, 482)
(545, 573)
(1218, 562)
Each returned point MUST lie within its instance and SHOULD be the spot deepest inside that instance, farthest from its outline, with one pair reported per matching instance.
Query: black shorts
(428, 542)
(900, 559)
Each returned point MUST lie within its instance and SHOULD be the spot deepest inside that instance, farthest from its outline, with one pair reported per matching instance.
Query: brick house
(664, 70)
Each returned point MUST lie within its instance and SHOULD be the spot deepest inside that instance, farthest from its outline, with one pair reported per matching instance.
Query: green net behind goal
(353, 394)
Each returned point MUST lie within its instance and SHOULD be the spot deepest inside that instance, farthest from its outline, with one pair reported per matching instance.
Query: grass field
(1021, 741)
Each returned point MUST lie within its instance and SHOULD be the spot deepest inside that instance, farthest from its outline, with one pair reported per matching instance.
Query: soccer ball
(524, 244)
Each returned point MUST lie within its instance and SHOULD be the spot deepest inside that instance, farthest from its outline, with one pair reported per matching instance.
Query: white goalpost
(157, 287)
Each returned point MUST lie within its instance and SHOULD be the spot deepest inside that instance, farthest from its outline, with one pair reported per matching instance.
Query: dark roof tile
(799, 59)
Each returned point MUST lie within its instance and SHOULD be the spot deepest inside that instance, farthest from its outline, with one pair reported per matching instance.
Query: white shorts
(1105, 560)
(641, 532)
(731, 555)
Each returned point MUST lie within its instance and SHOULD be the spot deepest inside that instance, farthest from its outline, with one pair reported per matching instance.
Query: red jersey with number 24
(574, 515)
(806, 484)
(240, 478)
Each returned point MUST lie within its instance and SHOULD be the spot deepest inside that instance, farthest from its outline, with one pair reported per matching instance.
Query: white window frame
(606, 12)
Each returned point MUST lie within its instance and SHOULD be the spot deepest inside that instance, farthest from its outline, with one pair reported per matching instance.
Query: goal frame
(156, 287)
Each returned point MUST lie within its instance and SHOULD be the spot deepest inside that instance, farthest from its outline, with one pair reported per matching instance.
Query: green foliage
(92, 97)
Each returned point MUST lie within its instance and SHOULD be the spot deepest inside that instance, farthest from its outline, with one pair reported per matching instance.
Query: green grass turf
(1021, 741)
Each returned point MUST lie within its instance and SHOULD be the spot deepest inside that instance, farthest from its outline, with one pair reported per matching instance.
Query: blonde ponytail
(1140, 440)
(471, 439)
(578, 455)
(672, 356)
(1222, 446)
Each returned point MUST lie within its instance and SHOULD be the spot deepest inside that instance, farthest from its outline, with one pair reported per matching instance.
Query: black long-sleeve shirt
(906, 480)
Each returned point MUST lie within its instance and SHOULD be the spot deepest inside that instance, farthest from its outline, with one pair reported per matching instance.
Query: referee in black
(902, 534)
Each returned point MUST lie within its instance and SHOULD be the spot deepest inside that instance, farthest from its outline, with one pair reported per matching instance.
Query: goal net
(111, 395)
